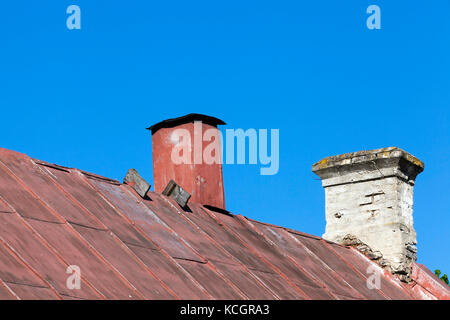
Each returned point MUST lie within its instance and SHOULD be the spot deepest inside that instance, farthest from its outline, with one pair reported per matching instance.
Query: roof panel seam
(9, 290)
(220, 248)
(147, 268)
(424, 288)
(254, 251)
(207, 263)
(354, 269)
(284, 228)
(22, 261)
(144, 234)
(131, 192)
(49, 165)
(390, 277)
(30, 191)
(319, 282)
(325, 265)
(71, 198)
(73, 231)
(105, 261)
(53, 251)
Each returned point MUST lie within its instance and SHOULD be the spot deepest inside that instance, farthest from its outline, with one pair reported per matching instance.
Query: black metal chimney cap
(170, 123)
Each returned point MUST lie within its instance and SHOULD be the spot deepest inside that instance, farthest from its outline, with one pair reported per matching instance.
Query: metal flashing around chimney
(137, 182)
(176, 192)
(369, 196)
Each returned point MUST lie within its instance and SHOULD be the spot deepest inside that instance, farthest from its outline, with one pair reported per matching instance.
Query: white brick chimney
(369, 203)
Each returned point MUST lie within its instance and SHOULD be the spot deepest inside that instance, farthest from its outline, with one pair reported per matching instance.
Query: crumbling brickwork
(369, 197)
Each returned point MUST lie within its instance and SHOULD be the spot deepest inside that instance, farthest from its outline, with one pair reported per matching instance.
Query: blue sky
(311, 69)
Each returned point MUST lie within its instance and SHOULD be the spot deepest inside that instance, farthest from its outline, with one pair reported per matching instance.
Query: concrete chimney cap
(367, 156)
(191, 117)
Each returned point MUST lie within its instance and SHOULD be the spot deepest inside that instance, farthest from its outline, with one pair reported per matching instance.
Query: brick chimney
(369, 204)
(203, 180)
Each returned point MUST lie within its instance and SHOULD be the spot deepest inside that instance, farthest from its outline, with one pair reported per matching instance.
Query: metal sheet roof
(128, 247)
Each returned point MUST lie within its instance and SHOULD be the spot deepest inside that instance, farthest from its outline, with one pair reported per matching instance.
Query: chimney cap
(367, 156)
(191, 117)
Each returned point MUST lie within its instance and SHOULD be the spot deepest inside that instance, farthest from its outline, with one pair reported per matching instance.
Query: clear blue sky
(312, 69)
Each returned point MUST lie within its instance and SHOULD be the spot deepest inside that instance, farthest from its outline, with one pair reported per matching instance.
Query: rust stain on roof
(127, 247)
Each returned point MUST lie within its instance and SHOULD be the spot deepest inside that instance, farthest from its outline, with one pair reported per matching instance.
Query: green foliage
(444, 278)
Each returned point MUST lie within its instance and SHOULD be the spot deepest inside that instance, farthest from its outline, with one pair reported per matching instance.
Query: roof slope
(126, 247)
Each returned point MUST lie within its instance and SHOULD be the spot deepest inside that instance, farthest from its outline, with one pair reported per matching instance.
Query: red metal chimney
(202, 180)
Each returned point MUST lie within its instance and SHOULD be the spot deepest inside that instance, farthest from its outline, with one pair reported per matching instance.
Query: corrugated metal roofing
(127, 247)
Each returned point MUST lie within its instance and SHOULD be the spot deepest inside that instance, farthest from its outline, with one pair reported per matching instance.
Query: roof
(127, 247)
(191, 117)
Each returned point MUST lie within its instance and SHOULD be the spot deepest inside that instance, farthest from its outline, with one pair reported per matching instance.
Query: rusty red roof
(127, 247)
